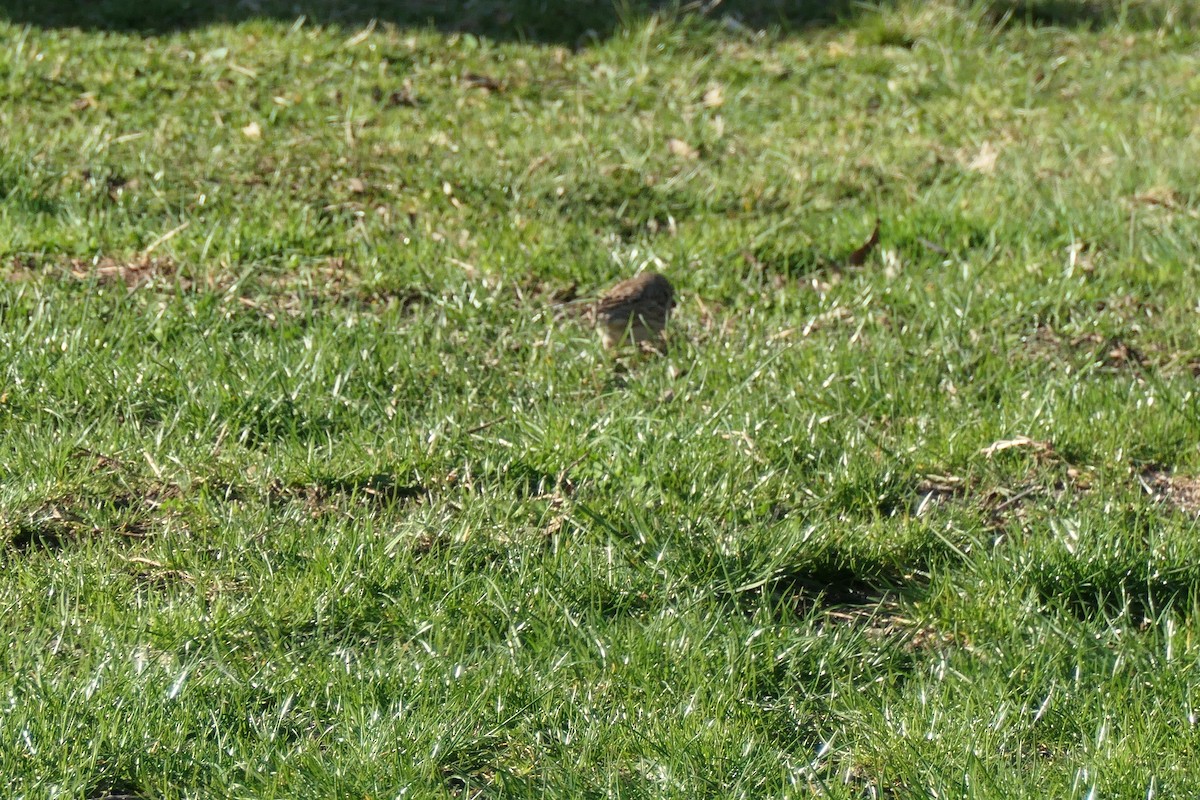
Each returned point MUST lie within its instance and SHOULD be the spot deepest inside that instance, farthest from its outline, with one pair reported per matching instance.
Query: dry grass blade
(1039, 448)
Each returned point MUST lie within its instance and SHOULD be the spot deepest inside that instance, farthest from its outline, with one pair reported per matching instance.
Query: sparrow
(635, 310)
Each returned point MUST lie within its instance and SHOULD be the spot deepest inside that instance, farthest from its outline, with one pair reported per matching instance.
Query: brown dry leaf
(1040, 448)
(714, 96)
(253, 131)
(681, 149)
(84, 102)
(356, 186)
(859, 256)
(983, 160)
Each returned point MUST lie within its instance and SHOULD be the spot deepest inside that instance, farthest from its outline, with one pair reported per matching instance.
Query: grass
(311, 487)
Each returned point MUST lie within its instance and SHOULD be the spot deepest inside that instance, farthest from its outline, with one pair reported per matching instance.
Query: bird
(635, 310)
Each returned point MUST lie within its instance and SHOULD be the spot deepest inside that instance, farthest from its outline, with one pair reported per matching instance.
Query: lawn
(314, 481)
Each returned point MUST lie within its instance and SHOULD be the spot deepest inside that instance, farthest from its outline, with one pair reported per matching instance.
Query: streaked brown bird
(635, 310)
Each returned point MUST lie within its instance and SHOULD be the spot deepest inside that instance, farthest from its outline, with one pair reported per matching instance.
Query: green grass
(310, 487)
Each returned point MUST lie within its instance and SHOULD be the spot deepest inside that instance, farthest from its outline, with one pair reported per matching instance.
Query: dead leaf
(252, 131)
(1039, 448)
(682, 149)
(859, 256)
(714, 96)
(356, 186)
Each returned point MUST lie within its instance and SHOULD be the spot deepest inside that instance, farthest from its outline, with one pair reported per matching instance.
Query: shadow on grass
(568, 22)
(120, 790)
(1087, 14)
(49, 528)
(1129, 569)
(45, 536)
(380, 491)
(1119, 587)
